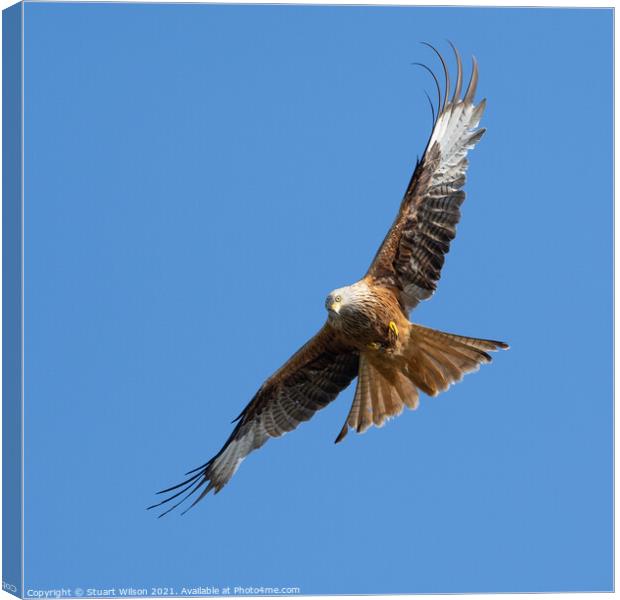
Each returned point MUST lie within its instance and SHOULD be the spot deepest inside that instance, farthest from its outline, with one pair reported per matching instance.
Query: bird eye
(338, 298)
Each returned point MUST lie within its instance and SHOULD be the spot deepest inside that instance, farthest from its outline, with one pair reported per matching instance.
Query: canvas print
(312, 220)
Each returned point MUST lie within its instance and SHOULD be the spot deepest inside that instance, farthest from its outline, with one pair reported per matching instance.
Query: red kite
(368, 334)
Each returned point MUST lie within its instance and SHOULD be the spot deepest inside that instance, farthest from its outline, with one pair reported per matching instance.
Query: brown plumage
(368, 334)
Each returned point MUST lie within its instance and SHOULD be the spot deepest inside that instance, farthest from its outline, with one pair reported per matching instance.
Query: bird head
(335, 301)
(344, 300)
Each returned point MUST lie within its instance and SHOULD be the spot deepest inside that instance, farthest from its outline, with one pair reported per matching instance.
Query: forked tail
(431, 361)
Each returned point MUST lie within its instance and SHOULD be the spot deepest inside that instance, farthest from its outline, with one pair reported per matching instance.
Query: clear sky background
(197, 179)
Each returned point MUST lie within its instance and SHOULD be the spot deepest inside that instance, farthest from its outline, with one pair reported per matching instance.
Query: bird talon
(374, 345)
(394, 328)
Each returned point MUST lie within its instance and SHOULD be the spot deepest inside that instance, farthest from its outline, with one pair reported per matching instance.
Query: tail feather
(387, 399)
(364, 420)
(481, 344)
(431, 361)
(382, 392)
(381, 404)
(451, 364)
(410, 395)
(450, 356)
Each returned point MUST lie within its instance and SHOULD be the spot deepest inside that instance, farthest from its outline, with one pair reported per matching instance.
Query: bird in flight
(367, 333)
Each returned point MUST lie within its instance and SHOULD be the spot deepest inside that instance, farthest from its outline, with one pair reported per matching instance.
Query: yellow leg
(394, 328)
(374, 345)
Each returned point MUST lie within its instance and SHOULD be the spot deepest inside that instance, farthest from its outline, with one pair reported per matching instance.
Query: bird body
(397, 357)
(368, 333)
(362, 313)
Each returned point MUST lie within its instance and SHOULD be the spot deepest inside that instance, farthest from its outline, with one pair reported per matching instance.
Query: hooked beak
(334, 307)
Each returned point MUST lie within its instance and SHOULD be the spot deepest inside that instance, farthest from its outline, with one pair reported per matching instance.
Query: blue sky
(197, 178)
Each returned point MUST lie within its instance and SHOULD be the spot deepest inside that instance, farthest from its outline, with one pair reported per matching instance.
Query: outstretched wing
(412, 254)
(307, 382)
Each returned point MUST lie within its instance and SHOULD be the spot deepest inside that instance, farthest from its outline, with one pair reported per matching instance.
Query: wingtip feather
(473, 82)
(342, 434)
